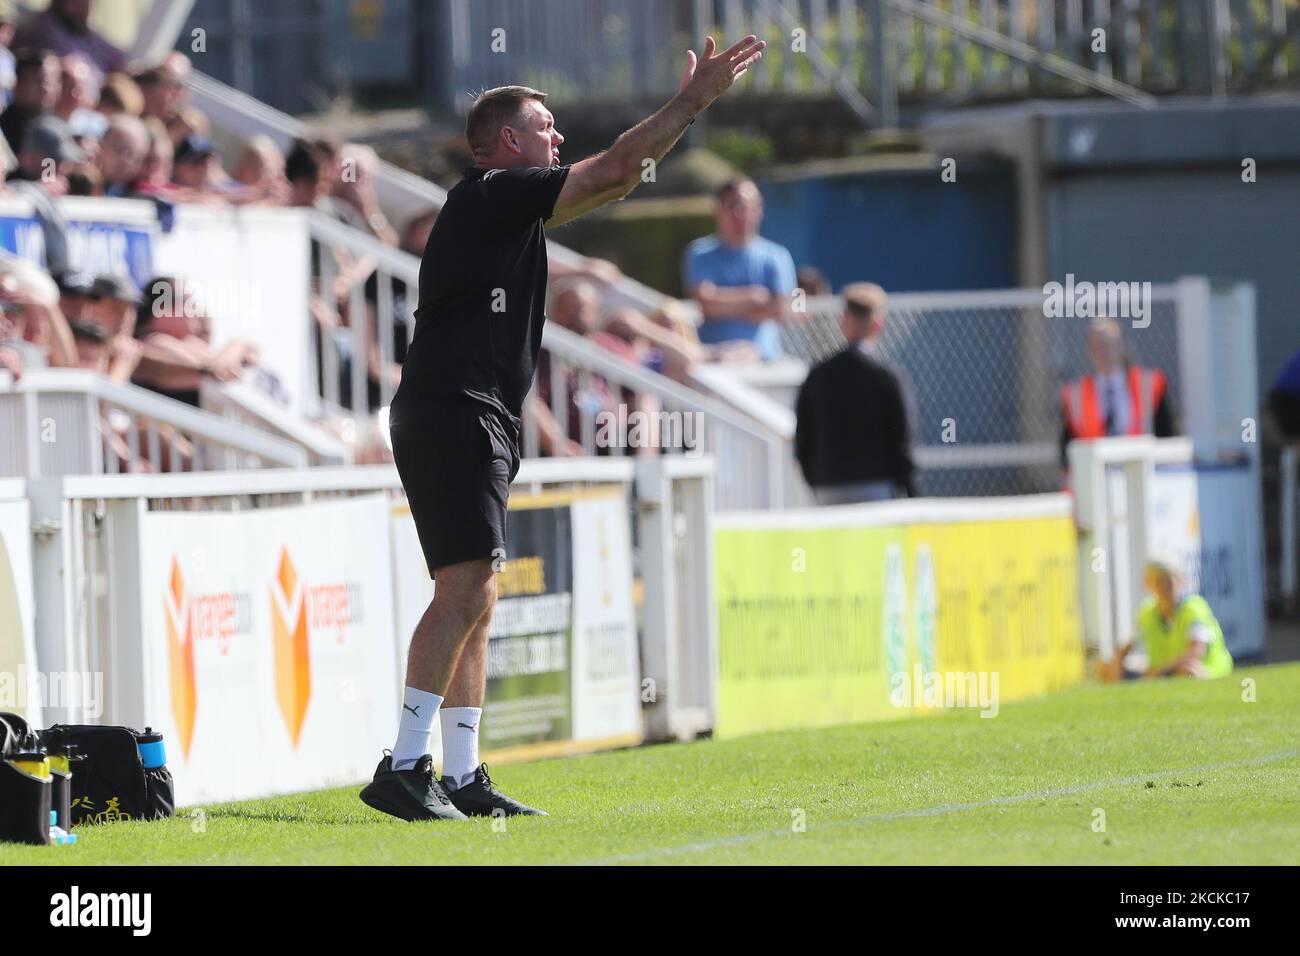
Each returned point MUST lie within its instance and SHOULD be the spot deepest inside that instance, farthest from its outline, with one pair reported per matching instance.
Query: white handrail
(161, 409)
(574, 347)
(279, 481)
(757, 477)
(242, 403)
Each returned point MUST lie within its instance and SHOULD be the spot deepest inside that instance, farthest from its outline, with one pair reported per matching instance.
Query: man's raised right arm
(617, 171)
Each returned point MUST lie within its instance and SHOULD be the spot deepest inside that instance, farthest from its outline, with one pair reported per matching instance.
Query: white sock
(419, 708)
(460, 744)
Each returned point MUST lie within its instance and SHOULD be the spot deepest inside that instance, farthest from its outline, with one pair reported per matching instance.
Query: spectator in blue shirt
(741, 281)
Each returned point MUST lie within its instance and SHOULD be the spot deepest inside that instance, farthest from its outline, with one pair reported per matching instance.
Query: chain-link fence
(986, 370)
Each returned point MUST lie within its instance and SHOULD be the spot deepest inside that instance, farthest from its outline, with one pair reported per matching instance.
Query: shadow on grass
(314, 816)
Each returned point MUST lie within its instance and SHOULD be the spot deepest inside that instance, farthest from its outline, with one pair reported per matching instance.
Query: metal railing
(244, 405)
(753, 456)
(75, 421)
(86, 565)
(756, 455)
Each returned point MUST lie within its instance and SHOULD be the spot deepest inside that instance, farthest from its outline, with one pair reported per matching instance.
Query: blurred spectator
(163, 91)
(175, 336)
(672, 315)
(418, 229)
(585, 267)
(812, 281)
(309, 168)
(414, 238)
(197, 171)
(178, 65)
(1284, 399)
(1178, 629)
(74, 295)
(193, 164)
(155, 177)
(83, 178)
(33, 324)
(575, 306)
(120, 94)
(853, 430)
(659, 345)
(36, 90)
(188, 122)
(64, 29)
(92, 344)
(8, 24)
(122, 154)
(1116, 398)
(43, 164)
(261, 167)
(113, 304)
(312, 168)
(46, 146)
(78, 94)
(356, 188)
(742, 282)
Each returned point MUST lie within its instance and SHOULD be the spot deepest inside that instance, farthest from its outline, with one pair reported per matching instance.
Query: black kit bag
(111, 781)
(25, 784)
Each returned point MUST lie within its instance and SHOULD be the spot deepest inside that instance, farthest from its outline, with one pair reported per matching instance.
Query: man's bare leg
(472, 792)
(463, 708)
(469, 678)
(463, 595)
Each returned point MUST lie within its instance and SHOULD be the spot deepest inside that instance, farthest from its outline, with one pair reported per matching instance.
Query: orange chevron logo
(289, 641)
(180, 657)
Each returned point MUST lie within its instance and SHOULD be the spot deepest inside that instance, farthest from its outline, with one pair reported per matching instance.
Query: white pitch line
(742, 838)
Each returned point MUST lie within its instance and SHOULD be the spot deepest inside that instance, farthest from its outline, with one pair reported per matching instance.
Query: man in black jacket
(853, 437)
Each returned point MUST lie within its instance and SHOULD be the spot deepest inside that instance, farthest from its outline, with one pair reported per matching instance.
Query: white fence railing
(245, 405)
(75, 421)
(757, 455)
(87, 592)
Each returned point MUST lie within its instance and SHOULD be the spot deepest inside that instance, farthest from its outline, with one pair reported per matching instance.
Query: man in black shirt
(853, 434)
(454, 420)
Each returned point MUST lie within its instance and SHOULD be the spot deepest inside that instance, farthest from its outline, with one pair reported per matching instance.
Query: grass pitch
(1179, 772)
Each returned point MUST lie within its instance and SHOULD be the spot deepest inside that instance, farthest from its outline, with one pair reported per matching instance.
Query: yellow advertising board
(857, 614)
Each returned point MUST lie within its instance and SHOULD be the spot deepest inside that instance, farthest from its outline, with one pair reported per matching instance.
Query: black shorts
(456, 457)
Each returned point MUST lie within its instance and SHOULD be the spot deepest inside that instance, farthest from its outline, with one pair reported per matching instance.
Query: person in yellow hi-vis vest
(1180, 632)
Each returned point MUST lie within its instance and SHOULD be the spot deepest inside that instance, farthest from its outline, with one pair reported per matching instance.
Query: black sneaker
(412, 794)
(481, 799)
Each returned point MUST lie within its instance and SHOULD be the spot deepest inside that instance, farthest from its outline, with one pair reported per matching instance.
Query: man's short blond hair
(1166, 564)
(494, 109)
(865, 300)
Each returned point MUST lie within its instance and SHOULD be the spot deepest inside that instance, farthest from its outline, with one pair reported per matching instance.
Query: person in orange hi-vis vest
(1116, 398)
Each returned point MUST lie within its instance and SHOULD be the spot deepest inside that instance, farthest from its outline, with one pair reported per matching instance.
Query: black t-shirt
(478, 327)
